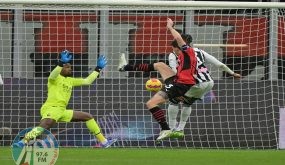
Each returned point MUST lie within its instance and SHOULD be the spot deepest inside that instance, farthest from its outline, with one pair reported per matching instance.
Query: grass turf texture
(152, 156)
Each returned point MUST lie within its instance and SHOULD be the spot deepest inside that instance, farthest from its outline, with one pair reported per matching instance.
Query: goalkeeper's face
(66, 70)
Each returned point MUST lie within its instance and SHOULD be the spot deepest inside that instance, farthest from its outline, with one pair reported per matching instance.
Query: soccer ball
(153, 85)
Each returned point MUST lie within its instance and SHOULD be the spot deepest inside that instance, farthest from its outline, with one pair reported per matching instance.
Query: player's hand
(236, 76)
(101, 62)
(65, 56)
(169, 23)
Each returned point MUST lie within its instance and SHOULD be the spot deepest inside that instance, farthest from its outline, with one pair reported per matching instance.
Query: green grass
(152, 156)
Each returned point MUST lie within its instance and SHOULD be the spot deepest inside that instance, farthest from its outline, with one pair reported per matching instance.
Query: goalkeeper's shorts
(59, 114)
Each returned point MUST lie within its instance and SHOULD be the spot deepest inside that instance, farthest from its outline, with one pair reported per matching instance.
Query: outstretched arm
(65, 57)
(55, 72)
(86, 81)
(175, 33)
(211, 59)
(101, 63)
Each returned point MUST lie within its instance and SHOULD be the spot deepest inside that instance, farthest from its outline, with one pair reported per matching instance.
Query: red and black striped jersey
(187, 67)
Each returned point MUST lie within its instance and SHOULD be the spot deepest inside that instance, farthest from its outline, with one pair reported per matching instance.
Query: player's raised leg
(164, 70)
(93, 128)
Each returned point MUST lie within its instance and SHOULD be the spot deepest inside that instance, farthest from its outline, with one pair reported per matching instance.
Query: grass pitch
(153, 156)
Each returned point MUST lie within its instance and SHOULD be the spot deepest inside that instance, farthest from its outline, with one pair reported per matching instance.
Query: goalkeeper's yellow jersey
(60, 87)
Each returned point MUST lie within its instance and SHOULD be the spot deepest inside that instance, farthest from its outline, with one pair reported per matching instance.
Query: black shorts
(175, 90)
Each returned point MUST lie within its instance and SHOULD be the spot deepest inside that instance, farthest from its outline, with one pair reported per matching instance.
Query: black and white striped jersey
(203, 73)
(173, 61)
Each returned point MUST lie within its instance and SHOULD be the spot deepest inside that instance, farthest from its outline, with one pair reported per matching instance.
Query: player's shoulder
(172, 54)
(185, 47)
(57, 79)
(197, 49)
(201, 51)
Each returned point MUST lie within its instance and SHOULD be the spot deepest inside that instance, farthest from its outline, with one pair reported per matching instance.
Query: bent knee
(159, 65)
(88, 117)
(47, 123)
(150, 104)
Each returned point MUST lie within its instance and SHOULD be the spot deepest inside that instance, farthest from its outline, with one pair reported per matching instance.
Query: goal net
(248, 37)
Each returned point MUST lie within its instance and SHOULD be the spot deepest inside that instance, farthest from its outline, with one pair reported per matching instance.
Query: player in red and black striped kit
(176, 85)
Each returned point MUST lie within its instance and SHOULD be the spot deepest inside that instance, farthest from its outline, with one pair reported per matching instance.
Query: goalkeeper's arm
(101, 63)
(211, 59)
(55, 72)
(65, 57)
(86, 81)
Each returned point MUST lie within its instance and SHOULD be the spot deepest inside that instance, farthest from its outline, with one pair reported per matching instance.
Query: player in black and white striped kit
(203, 74)
(204, 84)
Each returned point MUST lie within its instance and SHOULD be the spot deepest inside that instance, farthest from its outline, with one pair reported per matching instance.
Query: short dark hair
(174, 44)
(187, 38)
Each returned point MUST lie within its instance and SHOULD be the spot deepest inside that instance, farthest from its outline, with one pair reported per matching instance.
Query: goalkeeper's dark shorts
(176, 91)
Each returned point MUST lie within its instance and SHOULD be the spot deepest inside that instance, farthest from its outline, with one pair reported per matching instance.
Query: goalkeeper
(60, 85)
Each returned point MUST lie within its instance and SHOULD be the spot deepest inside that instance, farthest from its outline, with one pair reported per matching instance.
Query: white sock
(1, 81)
(172, 115)
(185, 114)
(105, 142)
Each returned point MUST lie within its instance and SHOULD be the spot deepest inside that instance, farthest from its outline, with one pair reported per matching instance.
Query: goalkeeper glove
(101, 63)
(65, 57)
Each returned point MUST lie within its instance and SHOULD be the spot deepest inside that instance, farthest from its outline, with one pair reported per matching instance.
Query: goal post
(249, 37)
(152, 4)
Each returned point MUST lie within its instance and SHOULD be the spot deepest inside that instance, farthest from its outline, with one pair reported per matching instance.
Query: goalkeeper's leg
(50, 115)
(36, 131)
(93, 128)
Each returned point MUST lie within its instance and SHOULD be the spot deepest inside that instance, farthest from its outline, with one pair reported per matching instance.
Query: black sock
(139, 67)
(158, 115)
